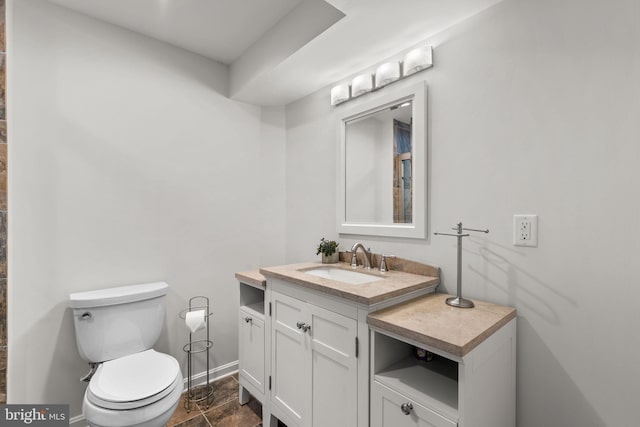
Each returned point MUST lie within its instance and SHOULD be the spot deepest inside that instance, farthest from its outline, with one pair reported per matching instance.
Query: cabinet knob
(303, 326)
(248, 319)
(406, 408)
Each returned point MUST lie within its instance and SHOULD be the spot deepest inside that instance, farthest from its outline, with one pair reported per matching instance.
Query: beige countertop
(253, 278)
(430, 321)
(395, 283)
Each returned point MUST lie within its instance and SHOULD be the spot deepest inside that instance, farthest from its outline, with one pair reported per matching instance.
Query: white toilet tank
(115, 322)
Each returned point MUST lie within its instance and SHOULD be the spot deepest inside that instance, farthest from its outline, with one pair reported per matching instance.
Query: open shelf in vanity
(434, 382)
(430, 387)
(252, 300)
(255, 309)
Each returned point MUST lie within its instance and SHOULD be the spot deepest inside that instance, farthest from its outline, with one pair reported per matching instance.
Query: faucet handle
(354, 260)
(383, 262)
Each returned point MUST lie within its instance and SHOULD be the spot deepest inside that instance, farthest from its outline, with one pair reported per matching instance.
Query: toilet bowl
(133, 385)
(142, 389)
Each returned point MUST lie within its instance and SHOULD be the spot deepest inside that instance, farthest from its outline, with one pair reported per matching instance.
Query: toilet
(130, 383)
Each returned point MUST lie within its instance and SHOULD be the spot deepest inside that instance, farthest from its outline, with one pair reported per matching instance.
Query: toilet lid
(135, 380)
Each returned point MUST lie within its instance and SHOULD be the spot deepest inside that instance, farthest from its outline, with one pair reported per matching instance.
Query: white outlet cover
(520, 221)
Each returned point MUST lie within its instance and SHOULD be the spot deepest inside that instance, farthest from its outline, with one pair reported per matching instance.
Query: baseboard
(78, 421)
(214, 374)
(197, 379)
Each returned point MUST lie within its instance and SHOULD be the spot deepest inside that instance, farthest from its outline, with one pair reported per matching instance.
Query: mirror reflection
(379, 167)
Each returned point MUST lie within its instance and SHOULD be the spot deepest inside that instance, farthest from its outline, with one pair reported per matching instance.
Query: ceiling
(218, 29)
(282, 50)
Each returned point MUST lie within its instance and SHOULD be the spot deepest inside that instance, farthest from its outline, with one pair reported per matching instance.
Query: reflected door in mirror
(402, 183)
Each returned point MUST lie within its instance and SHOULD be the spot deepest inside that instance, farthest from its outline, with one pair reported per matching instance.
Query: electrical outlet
(525, 230)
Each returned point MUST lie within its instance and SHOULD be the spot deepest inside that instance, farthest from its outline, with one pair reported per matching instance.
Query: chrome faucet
(367, 256)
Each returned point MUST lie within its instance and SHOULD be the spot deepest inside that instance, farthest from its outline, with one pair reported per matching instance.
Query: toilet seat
(153, 415)
(134, 381)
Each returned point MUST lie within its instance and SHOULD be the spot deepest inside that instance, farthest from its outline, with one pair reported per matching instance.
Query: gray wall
(533, 108)
(128, 164)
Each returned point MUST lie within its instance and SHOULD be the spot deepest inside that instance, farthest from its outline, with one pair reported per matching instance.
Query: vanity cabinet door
(290, 364)
(333, 369)
(387, 410)
(313, 364)
(252, 349)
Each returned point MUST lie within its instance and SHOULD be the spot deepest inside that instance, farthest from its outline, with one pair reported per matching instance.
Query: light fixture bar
(416, 60)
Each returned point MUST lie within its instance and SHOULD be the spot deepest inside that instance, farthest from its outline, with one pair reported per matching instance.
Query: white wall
(533, 108)
(383, 159)
(361, 184)
(128, 164)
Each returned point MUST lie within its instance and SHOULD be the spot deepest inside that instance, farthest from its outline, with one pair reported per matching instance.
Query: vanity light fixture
(340, 94)
(416, 60)
(387, 73)
(361, 84)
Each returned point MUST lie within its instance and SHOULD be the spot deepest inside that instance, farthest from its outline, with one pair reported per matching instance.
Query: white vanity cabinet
(316, 340)
(251, 349)
(469, 383)
(320, 352)
(313, 364)
(253, 341)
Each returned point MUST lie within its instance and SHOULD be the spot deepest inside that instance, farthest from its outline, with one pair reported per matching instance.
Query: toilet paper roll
(195, 320)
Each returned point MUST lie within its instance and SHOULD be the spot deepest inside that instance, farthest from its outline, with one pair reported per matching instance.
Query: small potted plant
(329, 251)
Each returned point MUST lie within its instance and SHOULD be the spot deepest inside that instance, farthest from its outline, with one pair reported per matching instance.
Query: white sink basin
(344, 276)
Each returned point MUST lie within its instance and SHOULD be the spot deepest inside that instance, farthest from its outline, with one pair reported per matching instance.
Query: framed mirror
(382, 188)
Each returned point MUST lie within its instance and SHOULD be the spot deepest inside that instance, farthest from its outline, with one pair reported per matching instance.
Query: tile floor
(224, 409)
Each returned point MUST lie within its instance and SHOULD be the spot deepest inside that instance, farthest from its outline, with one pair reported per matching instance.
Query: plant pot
(331, 259)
